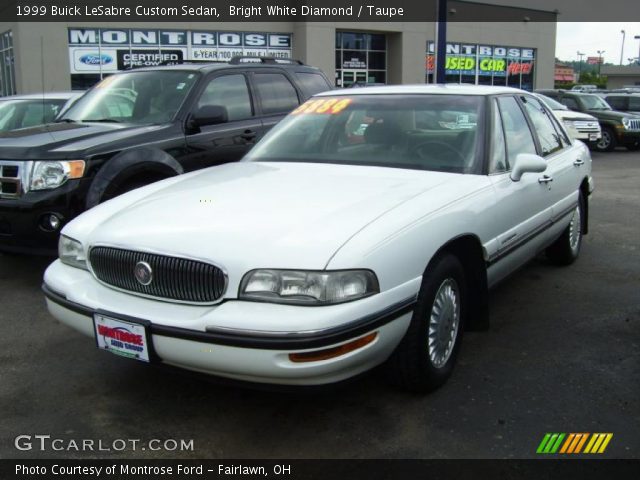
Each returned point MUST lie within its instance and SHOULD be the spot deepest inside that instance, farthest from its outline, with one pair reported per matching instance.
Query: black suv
(137, 127)
(618, 128)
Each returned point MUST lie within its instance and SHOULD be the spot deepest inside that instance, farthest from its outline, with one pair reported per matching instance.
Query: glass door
(349, 77)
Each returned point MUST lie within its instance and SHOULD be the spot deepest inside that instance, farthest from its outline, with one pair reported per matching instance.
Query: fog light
(50, 222)
(328, 353)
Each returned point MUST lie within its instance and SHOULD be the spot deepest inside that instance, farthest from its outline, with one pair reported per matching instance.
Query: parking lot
(562, 355)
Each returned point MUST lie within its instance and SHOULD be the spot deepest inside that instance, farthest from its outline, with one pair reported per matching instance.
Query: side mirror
(525, 163)
(209, 115)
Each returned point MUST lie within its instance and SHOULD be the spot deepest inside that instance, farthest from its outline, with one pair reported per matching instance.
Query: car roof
(438, 89)
(45, 95)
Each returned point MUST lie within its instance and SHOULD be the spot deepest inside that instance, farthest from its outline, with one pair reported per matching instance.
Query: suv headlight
(52, 174)
(71, 252)
(308, 287)
(626, 123)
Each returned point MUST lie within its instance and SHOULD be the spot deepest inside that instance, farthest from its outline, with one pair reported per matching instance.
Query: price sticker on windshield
(330, 106)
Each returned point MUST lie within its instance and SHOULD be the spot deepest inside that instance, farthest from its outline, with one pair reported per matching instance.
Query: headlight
(71, 252)
(568, 123)
(52, 174)
(626, 123)
(308, 287)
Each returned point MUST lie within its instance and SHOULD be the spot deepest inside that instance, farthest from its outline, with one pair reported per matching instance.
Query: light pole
(600, 52)
(622, 47)
(580, 55)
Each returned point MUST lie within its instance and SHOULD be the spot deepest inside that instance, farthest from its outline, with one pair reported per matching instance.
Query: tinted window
(276, 92)
(313, 82)
(634, 104)
(547, 135)
(570, 103)
(516, 129)
(229, 91)
(617, 103)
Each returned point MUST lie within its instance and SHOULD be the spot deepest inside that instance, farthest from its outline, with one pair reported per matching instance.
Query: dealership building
(65, 55)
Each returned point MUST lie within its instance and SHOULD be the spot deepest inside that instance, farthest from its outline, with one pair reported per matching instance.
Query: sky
(589, 37)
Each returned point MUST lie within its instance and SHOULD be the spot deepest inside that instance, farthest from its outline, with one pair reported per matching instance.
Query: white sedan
(366, 228)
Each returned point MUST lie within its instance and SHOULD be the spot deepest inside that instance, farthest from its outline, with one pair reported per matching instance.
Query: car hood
(610, 114)
(571, 115)
(63, 140)
(250, 215)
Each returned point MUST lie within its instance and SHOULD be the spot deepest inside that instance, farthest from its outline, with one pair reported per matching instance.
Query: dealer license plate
(593, 136)
(122, 338)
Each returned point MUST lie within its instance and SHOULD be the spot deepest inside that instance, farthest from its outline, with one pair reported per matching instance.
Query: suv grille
(9, 180)
(634, 124)
(172, 278)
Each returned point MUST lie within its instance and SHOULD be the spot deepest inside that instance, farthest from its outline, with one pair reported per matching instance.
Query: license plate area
(593, 136)
(122, 337)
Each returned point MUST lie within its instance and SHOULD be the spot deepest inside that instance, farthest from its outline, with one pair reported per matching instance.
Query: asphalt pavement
(562, 355)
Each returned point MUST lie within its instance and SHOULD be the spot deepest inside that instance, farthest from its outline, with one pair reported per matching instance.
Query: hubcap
(605, 140)
(575, 230)
(443, 322)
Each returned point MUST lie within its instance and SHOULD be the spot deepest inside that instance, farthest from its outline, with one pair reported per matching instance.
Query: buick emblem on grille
(143, 273)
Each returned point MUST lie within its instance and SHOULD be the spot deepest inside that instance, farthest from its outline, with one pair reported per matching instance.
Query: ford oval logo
(96, 59)
(143, 273)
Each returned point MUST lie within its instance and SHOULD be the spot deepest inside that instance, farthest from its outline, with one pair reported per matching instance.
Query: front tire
(608, 141)
(425, 357)
(565, 250)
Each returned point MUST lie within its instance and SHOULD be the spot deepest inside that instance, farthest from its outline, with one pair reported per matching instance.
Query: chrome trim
(164, 253)
(20, 180)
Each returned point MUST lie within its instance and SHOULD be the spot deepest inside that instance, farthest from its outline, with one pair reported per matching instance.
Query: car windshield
(424, 132)
(594, 102)
(28, 113)
(133, 97)
(551, 103)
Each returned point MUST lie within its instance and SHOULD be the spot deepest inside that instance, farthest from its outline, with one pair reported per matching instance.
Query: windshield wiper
(103, 120)
(64, 120)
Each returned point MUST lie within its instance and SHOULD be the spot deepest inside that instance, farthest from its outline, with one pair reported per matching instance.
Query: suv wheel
(608, 141)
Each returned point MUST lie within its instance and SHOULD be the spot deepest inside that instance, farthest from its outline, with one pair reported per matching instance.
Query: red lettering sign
(121, 335)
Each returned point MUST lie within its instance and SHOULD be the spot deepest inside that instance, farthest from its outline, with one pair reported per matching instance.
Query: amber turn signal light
(333, 352)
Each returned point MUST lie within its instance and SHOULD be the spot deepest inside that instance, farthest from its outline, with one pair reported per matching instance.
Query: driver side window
(229, 91)
(516, 130)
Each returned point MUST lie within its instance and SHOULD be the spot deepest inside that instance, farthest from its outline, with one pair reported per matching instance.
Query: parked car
(624, 102)
(580, 126)
(317, 258)
(584, 88)
(22, 111)
(134, 128)
(618, 128)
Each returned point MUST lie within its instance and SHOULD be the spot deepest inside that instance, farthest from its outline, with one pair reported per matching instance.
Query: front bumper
(20, 219)
(201, 339)
(627, 137)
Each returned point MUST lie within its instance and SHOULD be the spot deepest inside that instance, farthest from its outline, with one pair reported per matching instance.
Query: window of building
(361, 58)
(7, 68)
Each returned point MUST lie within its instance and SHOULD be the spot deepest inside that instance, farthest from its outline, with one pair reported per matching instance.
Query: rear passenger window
(634, 104)
(276, 92)
(229, 91)
(516, 129)
(313, 82)
(549, 139)
(617, 103)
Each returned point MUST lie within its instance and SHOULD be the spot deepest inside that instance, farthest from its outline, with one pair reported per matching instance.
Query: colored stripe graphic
(553, 443)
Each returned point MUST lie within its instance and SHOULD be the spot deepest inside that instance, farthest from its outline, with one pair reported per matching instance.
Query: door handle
(545, 179)
(248, 135)
(579, 162)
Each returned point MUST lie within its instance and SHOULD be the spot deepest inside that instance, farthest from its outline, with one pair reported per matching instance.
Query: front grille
(9, 180)
(586, 126)
(173, 279)
(634, 124)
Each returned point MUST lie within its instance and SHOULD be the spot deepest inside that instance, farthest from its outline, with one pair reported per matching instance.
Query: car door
(276, 94)
(522, 209)
(223, 142)
(565, 160)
